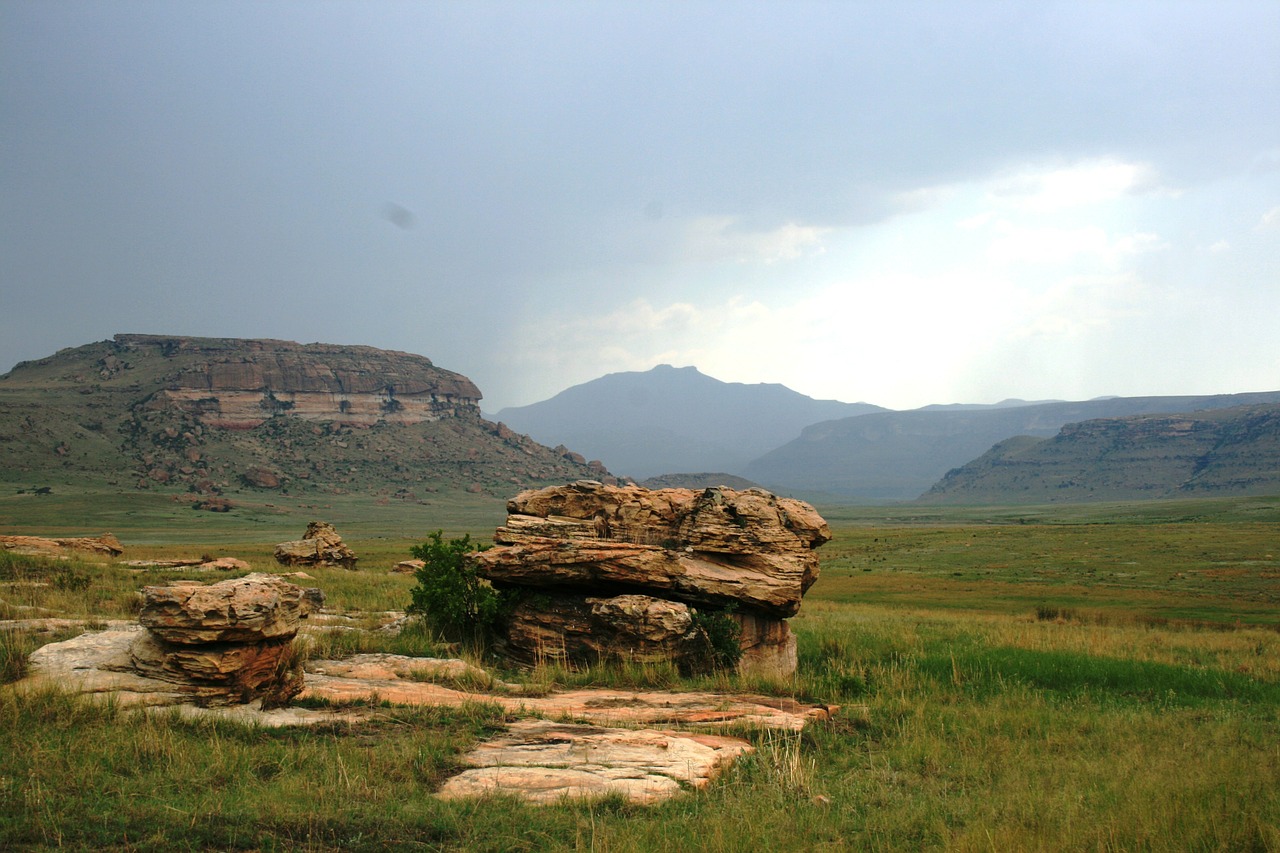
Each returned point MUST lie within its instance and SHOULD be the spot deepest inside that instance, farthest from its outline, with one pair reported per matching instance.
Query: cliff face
(211, 416)
(1225, 451)
(239, 384)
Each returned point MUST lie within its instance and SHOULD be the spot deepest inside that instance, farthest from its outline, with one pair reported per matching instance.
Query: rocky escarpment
(211, 416)
(236, 384)
(630, 572)
(1224, 451)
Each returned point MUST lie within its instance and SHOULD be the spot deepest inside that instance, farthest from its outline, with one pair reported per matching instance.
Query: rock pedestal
(320, 546)
(226, 643)
(623, 571)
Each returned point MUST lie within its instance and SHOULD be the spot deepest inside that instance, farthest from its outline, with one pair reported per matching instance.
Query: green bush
(457, 602)
(723, 636)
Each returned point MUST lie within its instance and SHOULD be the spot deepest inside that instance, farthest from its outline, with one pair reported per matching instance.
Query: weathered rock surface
(238, 384)
(718, 547)
(105, 544)
(563, 628)
(252, 609)
(768, 645)
(749, 554)
(320, 546)
(228, 642)
(398, 680)
(546, 762)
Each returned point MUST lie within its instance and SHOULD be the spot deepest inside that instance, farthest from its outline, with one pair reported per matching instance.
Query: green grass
(1092, 682)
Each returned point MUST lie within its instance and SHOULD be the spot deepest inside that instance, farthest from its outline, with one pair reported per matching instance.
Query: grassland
(1101, 678)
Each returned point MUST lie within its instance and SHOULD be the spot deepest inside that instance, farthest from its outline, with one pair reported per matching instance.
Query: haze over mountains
(668, 420)
(673, 419)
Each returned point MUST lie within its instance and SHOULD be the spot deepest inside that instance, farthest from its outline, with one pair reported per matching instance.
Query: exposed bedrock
(747, 554)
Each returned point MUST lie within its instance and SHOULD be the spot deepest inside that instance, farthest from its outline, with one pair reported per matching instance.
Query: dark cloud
(210, 168)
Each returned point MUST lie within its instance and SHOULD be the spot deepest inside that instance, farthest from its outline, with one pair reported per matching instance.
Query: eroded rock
(105, 544)
(544, 762)
(561, 628)
(255, 608)
(320, 546)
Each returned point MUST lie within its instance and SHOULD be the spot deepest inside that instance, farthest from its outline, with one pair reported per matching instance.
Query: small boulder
(320, 546)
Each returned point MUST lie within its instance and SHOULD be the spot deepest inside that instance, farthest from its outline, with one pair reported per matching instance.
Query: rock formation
(621, 571)
(239, 384)
(105, 544)
(319, 546)
(229, 641)
(220, 645)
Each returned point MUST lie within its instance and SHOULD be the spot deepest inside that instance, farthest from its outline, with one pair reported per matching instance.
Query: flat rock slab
(398, 680)
(544, 762)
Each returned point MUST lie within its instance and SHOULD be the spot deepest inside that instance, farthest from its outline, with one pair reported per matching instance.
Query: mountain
(1224, 451)
(899, 455)
(672, 419)
(204, 416)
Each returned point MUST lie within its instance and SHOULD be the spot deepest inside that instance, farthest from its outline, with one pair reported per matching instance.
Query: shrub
(457, 602)
(723, 636)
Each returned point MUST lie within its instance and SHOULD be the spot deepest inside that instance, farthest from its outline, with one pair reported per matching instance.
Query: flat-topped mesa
(717, 547)
(238, 384)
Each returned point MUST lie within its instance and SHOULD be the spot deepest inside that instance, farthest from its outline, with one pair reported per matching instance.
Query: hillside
(1225, 451)
(208, 416)
(672, 419)
(900, 455)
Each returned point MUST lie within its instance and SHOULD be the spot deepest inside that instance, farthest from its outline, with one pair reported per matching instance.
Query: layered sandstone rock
(106, 544)
(563, 628)
(225, 643)
(546, 762)
(749, 553)
(241, 383)
(320, 546)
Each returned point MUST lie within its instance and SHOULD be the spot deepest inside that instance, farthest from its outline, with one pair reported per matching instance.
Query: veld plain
(1102, 677)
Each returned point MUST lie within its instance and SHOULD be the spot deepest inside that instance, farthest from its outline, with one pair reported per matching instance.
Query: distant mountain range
(900, 455)
(209, 417)
(670, 420)
(1222, 451)
(673, 419)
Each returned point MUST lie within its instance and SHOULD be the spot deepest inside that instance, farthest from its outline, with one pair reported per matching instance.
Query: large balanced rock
(716, 547)
(748, 554)
(320, 546)
(226, 643)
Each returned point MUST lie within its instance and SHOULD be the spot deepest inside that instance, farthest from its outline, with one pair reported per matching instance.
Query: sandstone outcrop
(749, 554)
(238, 384)
(229, 642)
(224, 644)
(106, 544)
(319, 546)
(545, 762)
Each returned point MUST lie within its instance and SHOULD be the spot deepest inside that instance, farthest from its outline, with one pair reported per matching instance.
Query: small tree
(457, 602)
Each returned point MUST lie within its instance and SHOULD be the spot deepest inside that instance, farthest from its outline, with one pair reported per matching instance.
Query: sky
(901, 203)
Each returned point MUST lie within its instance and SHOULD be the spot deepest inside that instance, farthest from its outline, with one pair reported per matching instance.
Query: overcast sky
(892, 202)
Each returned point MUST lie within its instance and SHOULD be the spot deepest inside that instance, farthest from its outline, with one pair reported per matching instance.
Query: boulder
(252, 609)
(575, 628)
(716, 547)
(320, 546)
(573, 548)
(231, 672)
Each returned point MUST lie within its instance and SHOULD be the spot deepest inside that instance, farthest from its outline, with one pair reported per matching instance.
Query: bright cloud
(716, 238)
(1047, 191)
